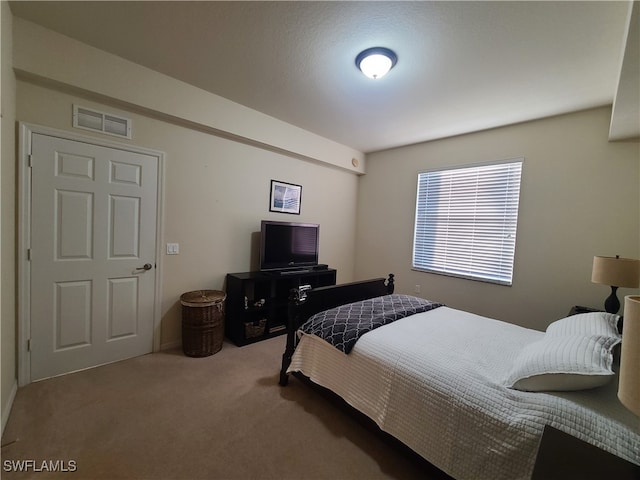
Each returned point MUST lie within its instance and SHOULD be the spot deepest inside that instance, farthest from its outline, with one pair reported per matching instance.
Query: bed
(464, 391)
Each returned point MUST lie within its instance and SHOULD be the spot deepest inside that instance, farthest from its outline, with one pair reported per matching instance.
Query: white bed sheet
(435, 381)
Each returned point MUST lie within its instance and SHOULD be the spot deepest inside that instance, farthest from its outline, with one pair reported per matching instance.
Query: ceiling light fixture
(376, 62)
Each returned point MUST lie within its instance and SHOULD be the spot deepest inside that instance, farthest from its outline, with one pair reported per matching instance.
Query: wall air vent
(96, 121)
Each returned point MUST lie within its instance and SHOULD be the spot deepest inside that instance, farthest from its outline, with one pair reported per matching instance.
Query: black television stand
(257, 302)
(294, 272)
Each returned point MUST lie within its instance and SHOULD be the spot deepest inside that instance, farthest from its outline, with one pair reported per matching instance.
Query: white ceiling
(462, 66)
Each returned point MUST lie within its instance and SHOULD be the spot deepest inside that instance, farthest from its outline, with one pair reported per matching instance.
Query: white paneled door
(93, 250)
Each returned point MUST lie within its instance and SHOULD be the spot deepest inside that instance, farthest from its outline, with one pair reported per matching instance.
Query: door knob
(147, 266)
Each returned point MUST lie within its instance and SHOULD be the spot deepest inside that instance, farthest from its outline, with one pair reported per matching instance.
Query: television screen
(288, 245)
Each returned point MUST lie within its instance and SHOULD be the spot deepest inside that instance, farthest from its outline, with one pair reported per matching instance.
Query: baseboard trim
(171, 345)
(6, 409)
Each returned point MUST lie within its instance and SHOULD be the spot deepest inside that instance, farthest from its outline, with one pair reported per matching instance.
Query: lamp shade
(615, 271)
(629, 385)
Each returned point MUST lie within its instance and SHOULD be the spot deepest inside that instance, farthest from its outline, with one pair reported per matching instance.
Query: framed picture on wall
(285, 197)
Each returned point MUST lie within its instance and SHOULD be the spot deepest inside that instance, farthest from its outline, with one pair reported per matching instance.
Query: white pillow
(566, 363)
(592, 323)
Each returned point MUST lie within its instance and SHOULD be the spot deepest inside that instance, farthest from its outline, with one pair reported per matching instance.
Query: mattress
(436, 382)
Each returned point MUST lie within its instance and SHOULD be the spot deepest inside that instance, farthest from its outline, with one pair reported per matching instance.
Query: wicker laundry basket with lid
(202, 322)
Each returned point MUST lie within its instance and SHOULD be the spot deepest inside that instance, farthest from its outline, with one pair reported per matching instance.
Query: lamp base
(612, 304)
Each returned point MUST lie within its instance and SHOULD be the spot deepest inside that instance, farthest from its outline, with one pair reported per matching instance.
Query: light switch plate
(173, 248)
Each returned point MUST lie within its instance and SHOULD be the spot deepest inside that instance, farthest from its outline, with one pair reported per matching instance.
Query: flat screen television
(288, 245)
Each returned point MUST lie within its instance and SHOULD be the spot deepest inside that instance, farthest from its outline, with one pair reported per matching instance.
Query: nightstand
(562, 456)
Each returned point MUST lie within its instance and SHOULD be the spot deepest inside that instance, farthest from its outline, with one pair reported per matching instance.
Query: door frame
(26, 132)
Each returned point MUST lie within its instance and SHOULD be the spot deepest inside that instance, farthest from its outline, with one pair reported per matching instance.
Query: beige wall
(579, 198)
(7, 223)
(216, 192)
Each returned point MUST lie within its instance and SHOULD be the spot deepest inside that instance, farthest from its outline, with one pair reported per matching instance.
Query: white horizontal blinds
(466, 221)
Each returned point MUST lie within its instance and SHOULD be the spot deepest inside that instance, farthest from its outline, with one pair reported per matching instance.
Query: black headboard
(303, 304)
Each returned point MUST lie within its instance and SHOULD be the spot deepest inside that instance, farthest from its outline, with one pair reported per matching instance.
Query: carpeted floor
(168, 416)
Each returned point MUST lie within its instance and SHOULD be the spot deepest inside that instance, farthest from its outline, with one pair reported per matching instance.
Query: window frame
(509, 226)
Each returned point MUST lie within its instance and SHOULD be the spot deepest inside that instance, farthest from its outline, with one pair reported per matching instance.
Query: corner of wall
(8, 378)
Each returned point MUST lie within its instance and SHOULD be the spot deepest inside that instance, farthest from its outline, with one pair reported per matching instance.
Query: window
(466, 221)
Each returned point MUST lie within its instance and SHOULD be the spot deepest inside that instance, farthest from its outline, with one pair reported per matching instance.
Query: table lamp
(615, 272)
(629, 384)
